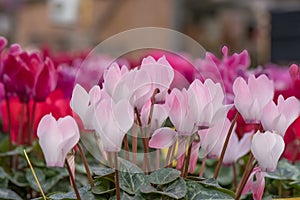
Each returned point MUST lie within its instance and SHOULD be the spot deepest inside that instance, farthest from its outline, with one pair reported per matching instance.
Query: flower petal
(162, 138)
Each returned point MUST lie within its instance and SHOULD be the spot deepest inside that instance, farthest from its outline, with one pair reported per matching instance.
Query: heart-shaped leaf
(163, 176)
(8, 194)
(103, 186)
(196, 190)
(131, 177)
(176, 189)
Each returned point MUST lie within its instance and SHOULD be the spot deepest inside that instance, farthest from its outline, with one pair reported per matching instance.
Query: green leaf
(70, 195)
(19, 179)
(225, 176)
(125, 196)
(3, 178)
(176, 189)
(8, 194)
(40, 176)
(211, 182)
(103, 186)
(17, 151)
(46, 182)
(90, 196)
(131, 177)
(197, 191)
(163, 176)
(284, 171)
(102, 171)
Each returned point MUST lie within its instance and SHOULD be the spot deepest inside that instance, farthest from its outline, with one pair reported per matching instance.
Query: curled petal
(257, 187)
(162, 138)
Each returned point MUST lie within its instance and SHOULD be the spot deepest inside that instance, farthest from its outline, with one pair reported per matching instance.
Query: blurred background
(268, 29)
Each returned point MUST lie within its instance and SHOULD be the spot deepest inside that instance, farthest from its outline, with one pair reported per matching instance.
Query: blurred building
(79, 24)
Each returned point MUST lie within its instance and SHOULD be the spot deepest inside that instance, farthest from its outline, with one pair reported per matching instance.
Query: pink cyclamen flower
(112, 76)
(213, 136)
(279, 117)
(84, 104)
(224, 70)
(236, 148)
(57, 138)
(207, 102)
(112, 121)
(181, 113)
(267, 148)
(159, 115)
(250, 98)
(138, 85)
(256, 185)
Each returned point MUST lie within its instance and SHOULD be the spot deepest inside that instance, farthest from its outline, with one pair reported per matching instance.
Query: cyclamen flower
(213, 136)
(184, 119)
(57, 138)
(159, 115)
(84, 104)
(27, 75)
(112, 121)
(256, 186)
(206, 100)
(279, 117)
(224, 70)
(138, 85)
(267, 148)
(250, 98)
(236, 148)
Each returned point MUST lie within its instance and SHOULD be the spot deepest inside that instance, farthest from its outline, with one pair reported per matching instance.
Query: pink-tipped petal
(162, 138)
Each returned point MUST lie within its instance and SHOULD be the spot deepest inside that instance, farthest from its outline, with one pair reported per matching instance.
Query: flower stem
(86, 166)
(155, 92)
(225, 146)
(72, 180)
(172, 155)
(126, 146)
(202, 166)
(234, 175)
(31, 123)
(144, 139)
(134, 142)
(8, 124)
(28, 136)
(187, 157)
(118, 194)
(157, 159)
(168, 155)
(245, 177)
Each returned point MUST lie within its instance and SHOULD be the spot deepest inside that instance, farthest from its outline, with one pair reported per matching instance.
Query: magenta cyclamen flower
(267, 148)
(224, 70)
(256, 186)
(27, 74)
(57, 138)
(279, 117)
(251, 97)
